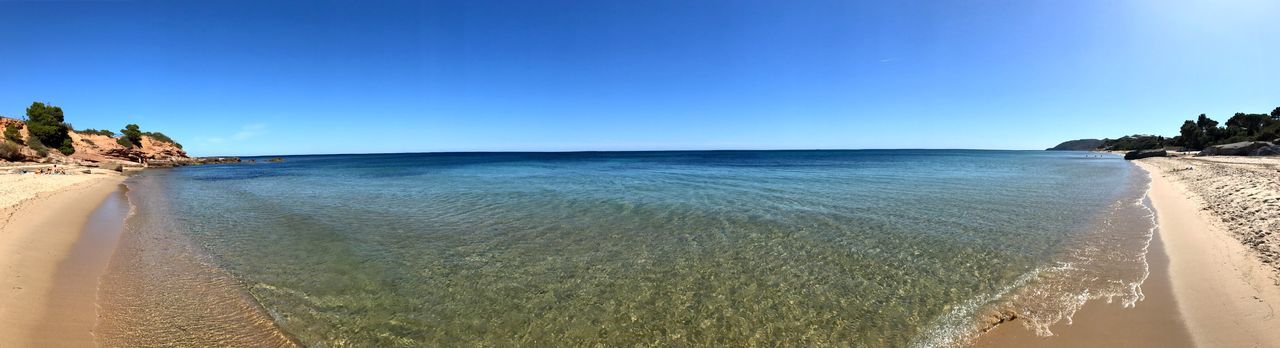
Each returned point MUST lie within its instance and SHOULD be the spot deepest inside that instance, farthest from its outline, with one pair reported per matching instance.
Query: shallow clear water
(901, 247)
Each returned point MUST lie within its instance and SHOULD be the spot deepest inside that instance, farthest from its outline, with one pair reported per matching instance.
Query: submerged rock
(1136, 154)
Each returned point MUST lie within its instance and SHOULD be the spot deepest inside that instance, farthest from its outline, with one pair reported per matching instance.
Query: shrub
(41, 150)
(124, 141)
(11, 134)
(102, 132)
(10, 151)
(45, 123)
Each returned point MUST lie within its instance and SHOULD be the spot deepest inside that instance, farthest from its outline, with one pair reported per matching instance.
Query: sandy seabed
(1213, 266)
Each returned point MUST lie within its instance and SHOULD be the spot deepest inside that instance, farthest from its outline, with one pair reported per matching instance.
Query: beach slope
(41, 219)
(1214, 214)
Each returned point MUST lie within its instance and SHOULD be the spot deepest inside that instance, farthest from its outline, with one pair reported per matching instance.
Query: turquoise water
(879, 248)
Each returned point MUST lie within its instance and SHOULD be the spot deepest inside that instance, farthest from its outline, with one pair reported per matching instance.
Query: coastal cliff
(93, 148)
(45, 137)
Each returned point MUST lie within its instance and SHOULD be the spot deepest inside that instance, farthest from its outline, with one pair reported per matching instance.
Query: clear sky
(262, 77)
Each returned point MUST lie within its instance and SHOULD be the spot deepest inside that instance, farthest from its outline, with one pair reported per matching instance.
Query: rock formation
(1243, 148)
(1137, 154)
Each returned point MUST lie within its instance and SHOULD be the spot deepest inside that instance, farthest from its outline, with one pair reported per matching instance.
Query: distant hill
(1077, 145)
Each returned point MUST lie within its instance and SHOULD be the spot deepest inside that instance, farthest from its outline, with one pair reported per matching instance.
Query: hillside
(97, 148)
(1077, 145)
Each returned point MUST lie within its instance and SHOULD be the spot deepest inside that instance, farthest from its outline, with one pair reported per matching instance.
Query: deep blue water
(872, 247)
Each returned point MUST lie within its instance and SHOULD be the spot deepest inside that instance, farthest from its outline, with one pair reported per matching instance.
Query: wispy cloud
(249, 131)
(246, 132)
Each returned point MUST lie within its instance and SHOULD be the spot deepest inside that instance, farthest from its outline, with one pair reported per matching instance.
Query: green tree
(45, 123)
(1191, 135)
(132, 135)
(1250, 124)
(1275, 114)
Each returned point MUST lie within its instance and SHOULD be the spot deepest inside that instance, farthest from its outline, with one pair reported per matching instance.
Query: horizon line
(618, 151)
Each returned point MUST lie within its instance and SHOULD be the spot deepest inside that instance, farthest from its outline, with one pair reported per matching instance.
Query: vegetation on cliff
(1203, 132)
(102, 132)
(11, 134)
(46, 126)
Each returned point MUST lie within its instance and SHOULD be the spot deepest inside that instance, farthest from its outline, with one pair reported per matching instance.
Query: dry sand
(1218, 221)
(47, 297)
(1216, 256)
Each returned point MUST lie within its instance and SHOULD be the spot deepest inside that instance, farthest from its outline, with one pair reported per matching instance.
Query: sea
(893, 248)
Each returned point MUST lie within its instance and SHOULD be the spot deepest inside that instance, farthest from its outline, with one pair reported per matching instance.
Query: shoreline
(1152, 321)
(1228, 296)
(1205, 285)
(43, 227)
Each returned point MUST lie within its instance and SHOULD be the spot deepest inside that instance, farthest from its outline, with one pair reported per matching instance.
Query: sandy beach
(1213, 267)
(1217, 216)
(49, 296)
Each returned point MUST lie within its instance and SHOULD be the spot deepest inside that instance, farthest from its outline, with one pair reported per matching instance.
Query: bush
(102, 132)
(123, 141)
(41, 150)
(11, 151)
(45, 123)
(11, 133)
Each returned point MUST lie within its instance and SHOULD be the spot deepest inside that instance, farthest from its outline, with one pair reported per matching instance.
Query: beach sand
(48, 297)
(1219, 218)
(1213, 265)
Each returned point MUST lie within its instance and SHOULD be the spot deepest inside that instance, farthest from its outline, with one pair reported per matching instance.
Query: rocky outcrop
(1243, 148)
(1137, 154)
(1273, 150)
(1078, 145)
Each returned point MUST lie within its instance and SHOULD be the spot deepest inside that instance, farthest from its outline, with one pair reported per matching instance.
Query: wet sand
(1152, 322)
(48, 291)
(1207, 287)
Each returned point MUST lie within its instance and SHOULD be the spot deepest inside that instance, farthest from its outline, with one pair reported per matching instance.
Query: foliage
(11, 133)
(1135, 142)
(35, 144)
(102, 132)
(1078, 145)
(45, 123)
(1204, 131)
(10, 151)
(161, 137)
(132, 136)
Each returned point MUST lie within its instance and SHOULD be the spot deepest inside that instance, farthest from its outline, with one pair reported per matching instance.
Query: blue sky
(261, 77)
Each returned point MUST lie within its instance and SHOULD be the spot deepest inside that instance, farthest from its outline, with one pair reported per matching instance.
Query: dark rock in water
(1243, 148)
(1136, 154)
(1273, 150)
(1077, 145)
(277, 159)
(216, 160)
